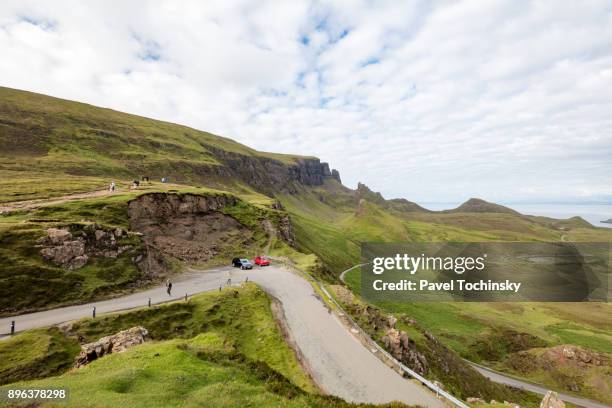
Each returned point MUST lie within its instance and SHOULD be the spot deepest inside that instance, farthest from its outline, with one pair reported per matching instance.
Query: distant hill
(476, 205)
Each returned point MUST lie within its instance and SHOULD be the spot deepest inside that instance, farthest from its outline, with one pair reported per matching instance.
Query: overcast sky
(431, 101)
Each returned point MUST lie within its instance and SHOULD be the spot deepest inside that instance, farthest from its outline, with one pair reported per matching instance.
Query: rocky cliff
(270, 175)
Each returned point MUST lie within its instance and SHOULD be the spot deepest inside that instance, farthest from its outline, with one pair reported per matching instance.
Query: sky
(433, 101)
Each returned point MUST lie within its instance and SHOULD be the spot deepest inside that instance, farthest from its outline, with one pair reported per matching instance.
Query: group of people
(136, 183)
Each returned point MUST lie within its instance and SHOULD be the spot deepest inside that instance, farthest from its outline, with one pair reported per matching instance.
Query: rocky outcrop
(153, 207)
(363, 192)
(188, 227)
(111, 344)
(396, 342)
(269, 175)
(404, 349)
(475, 400)
(285, 230)
(336, 176)
(551, 400)
(565, 357)
(72, 249)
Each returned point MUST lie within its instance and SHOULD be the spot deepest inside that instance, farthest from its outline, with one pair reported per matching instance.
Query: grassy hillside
(219, 349)
(51, 146)
(29, 282)
(332, 222)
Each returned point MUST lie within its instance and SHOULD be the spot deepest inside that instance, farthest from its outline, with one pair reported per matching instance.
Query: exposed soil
(187, 227)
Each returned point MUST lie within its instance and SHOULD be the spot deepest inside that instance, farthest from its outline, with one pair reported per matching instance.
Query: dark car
(245, 264)
(236, 263)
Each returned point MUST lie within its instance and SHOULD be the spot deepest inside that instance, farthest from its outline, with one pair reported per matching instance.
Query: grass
(462, 325)
(220, 349)
(242, 315)
(29, 282)
(35, 354)
(204, 371)
(59, 137)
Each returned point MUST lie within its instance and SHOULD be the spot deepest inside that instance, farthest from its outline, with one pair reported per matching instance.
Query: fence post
(94, 312)
(149, 302)
(185, 297)
(12, 327)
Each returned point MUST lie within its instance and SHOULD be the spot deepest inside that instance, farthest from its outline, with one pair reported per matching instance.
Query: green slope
(46, 142)
(220, 349)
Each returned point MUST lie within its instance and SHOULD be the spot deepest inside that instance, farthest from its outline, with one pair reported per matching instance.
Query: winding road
(336, 359)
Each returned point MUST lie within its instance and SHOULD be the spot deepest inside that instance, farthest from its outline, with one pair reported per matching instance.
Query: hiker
(169, 288)
(135, 184)
(111, 188)
(229, 281)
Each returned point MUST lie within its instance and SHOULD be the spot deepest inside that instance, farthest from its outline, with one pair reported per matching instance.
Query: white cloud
(428, 100)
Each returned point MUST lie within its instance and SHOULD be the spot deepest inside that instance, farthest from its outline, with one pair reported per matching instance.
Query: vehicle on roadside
(262, 261)
(245, 264)
(236, 263)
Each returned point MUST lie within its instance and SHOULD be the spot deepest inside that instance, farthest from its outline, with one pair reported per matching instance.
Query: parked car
(236, 263)
(262, 261)
(245, 264)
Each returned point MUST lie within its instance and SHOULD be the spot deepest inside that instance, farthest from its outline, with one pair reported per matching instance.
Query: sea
(593, 213)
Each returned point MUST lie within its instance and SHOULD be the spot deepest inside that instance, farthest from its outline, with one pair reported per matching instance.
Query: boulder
(403, 349)
(115, 343)
(73, 250)
(551, 400)
(70, 254)
(58, 235)
(100, 234)
(475, 400)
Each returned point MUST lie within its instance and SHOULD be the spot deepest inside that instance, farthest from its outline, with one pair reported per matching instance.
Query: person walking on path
(111, 188)
(169, 288)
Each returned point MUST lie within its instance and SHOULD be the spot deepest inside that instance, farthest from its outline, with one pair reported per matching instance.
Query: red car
(262, 261)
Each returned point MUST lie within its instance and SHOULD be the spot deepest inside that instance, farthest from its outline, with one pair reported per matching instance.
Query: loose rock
(115, 343)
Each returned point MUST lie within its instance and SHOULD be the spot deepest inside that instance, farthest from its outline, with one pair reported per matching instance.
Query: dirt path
(33, 204)
(339, 363)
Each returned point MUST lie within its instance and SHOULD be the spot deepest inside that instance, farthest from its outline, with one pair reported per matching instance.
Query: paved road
(514, 382)
(339, 363)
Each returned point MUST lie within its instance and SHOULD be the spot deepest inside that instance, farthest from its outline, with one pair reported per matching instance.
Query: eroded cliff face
(187, 227)
(269, 175)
